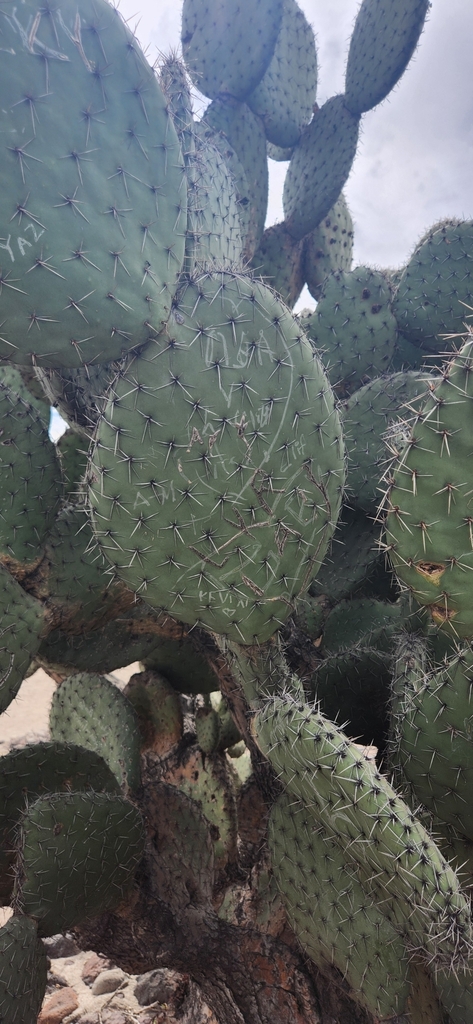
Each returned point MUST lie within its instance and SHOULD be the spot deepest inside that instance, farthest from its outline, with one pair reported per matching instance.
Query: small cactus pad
(429, 524)
(40, 768)
(353, 327)
(77, 856)
(23, 971)
(285, 96)
(227, 45)
(383, 41)
(436, 285)
(89, 710)
(207, 781)
(92, 155)
(31, 479)
(182, 847)
(328, 247)
(23, 622)
(331, 913)
(230, 498)
(320, 166)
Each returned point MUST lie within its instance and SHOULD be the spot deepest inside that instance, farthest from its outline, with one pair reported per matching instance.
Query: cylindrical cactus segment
(330, 911)
(357, 806)
(229, 495)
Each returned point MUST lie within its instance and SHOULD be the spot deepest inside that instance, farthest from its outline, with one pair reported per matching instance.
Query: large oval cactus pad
(93, 200)
(217, 472)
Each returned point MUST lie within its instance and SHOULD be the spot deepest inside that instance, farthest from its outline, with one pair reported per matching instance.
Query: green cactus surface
(328, 247)
(320, 166)
(353, 327)
(319, 766)
(228, 45)
(92, 154)
(23, 624)
(230, 499)
(331, 913)
(384, 38)
(23, 971)
(435, 287)
(428, 527)
(285, 96)
(89, 710)
(77, 854)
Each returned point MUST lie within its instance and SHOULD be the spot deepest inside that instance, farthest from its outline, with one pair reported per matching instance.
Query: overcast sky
(415, 160)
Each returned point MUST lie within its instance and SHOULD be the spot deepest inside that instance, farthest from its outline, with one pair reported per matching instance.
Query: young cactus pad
(89, 710)
(92, 154)
(218, 469)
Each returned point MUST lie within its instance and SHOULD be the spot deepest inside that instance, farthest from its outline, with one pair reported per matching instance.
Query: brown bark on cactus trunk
(213, 916)
(216, 926)
(250, 968)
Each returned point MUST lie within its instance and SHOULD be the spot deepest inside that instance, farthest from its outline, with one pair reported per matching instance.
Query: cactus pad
(227, 45)
(383, 41)
(319, 166)
(89, 710)
(331, 913)
(23, 622)
(230, 498)
(93, 153)
(77, 856)
(23, 971)
(285, 96)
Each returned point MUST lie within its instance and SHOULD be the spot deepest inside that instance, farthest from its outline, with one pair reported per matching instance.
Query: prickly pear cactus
(230, 499)
(217, 818)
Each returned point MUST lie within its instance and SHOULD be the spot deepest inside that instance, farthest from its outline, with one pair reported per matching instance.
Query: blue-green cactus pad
(217, 472)
(93, 199)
